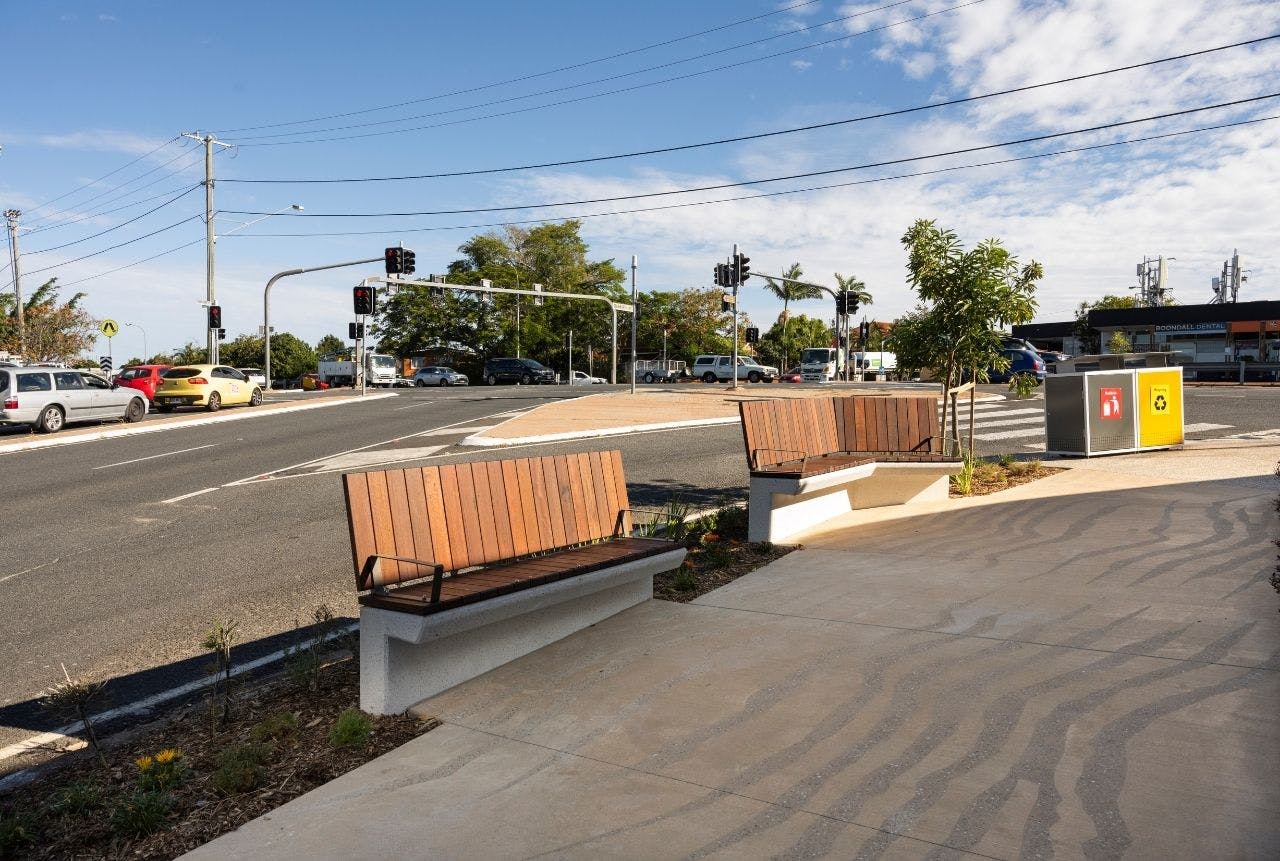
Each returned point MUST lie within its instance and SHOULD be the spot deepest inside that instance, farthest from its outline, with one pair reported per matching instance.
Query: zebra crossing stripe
(1029, 420)
(1011, 434)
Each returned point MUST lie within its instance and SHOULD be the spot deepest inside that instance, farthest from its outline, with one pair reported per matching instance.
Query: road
(118, 554)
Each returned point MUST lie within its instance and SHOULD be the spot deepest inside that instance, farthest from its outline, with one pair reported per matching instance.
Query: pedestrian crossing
(1006, 421)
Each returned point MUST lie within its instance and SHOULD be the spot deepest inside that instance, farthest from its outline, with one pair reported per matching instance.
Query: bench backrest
(784, 429)
(467, 514)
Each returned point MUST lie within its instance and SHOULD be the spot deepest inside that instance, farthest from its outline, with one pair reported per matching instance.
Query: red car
(793, 376)
(144, 378)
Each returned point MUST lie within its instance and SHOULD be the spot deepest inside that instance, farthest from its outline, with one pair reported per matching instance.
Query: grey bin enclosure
(1091, 413)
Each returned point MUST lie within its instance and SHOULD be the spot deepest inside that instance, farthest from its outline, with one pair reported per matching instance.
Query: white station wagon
(49, 398)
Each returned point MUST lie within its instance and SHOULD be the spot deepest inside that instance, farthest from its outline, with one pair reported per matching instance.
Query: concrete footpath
(1087, 666)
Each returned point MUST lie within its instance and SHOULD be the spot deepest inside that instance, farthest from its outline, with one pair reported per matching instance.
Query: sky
(100, 94)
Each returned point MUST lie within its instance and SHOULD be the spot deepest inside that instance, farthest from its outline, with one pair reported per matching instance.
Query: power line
(746, 197)
(608, 78)
(173, 199)
(101, 178)
(134, 263)
(89, 216)
(806, 175)
(528, 77)
(248, 142)
(118, 245)
(762, 135)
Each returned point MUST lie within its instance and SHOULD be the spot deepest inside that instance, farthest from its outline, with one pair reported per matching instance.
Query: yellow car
(210, 386)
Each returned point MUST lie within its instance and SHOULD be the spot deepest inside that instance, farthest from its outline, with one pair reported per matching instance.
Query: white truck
(340, 370)
(820, 364)
(874, 362)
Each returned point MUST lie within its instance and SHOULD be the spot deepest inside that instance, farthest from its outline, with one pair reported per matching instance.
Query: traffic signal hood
(753, 335)
(395, 261)
(741, 268)
(215, 316)
(363, 298)
(408, 262)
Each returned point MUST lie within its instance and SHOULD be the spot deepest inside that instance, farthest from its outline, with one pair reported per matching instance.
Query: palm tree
(790, 290)
(853, 284)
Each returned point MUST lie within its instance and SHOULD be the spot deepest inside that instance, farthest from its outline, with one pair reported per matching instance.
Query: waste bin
(1111, 412)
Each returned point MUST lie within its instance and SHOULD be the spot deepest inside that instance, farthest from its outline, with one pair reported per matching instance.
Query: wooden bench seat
(806, 455)
(462, 567)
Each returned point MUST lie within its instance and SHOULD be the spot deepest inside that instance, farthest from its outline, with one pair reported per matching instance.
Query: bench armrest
(619, 527)
(755, 455)
(373, 564)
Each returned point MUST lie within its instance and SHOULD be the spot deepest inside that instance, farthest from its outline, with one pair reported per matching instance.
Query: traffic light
(851, 302)
(222, 334)
(363, 298)
(841, 303)
(215, 316)
(741, 268)
(753, 334)
(864, 331)
(408, 262)
(395, 261)
(355, 331)
(716, 272)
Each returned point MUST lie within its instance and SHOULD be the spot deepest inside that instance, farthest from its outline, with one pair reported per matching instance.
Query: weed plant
(351, 728)
(142, 813)
(241, 768)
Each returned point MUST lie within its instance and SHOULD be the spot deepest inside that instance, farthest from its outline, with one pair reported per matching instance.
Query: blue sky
(99, 85)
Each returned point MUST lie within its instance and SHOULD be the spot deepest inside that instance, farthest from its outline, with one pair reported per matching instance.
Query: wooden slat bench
(463, 567)
(814, 458)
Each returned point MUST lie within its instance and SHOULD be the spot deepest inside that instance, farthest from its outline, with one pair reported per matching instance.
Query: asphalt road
(118, 554)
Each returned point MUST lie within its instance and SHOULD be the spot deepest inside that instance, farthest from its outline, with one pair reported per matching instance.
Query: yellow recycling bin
(1160, 418)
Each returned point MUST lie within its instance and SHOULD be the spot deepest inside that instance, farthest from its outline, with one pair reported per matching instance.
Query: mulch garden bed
(176, 785)
(719, 553)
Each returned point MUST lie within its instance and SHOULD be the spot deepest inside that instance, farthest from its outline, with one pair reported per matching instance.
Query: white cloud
(801, 65)
(105, 17)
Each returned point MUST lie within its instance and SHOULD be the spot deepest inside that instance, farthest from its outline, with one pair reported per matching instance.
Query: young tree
(290, 355)
(967, 296)
(1090, 339)
(788, 337)
(1119, 343)
(54, 330)
(791, 291)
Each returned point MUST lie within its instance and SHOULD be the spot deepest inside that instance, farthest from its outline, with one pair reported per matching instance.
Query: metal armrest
(755, 455)
(619, 523)
(373, 565)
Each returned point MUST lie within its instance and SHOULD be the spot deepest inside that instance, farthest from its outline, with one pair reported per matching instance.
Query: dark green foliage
(275, 728)
(352, 728)
(16, 831)
(141, 814)
(241, 768)
(83, 796)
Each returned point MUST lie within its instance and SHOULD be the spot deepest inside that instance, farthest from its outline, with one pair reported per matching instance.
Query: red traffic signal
(215, 316)
(395, 261)
(363, 298)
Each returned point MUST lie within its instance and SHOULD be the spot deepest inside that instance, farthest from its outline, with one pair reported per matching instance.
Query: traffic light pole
(734, 371)
(266, 304)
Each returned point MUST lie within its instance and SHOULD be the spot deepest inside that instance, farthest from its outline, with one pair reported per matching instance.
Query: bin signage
(1160, 396)
(1160, 400)
(1109, 403)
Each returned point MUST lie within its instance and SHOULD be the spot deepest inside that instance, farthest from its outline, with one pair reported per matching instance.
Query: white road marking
(141, 706)
(999, 422)
(1201, 427)
(447, 431)
(1026, 412)
(188, 495)
(1273, 433)
(365, 459)
(8, 577)
(412, 406)
(154, 456)
(1011, 434)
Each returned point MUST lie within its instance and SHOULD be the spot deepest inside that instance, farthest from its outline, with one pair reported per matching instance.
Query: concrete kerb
(481, 440)
(155, 427)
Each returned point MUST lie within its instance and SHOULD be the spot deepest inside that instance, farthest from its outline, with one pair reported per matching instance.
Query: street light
(296, 207)
(145, 355)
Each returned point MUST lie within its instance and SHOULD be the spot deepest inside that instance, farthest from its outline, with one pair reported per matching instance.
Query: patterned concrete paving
(1086, 667)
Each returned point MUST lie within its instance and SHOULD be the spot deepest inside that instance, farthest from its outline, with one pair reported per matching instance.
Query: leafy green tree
(691, 320)
(789, 337)
(1119, 343)
(328, 345)
(290, 355)
(967, 297)
(54, 330)
(791, 291)
(189, 353)
(1090, 339)
(853, 284)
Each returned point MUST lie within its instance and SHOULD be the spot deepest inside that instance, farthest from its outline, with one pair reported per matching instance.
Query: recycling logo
(1160, 400)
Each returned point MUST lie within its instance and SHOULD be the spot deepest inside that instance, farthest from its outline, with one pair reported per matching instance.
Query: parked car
(313, 383)
(1021, 361)
(711, 369)
(255, 376)
(508, 370)
(580, 378)
(793, 376)
(208, 386)
(49, 398)
(1051, 359)
(438, 375)
(144, 378)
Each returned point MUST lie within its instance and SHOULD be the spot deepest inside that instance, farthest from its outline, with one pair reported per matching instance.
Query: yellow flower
(168, 755)
(144, 762)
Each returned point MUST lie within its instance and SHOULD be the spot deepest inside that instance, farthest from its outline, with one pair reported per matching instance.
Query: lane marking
(412, 406)
(143, 705)
(8, 577)
(366, 459)
(154, 456)
(188, 495)
(1001, 422)
(1201, 427)
(1012, 434)
(447, 431)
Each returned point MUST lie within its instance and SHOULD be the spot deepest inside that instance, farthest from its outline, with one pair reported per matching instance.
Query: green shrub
(352, 728)
(684, 579)
(241, 768)
(163, 771)
(275, 728)
(1022, 385)
(142, 813)
(83, 796)
(16, 830)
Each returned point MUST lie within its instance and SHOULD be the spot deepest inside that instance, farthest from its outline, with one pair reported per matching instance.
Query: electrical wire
(249, 142)
(134, 263)
(746, 197)
(806, 175)
(607, 79)
(171, 200)
(89, 216)
(118, 245)
(528, 77)
(762, 135)
(104, 176)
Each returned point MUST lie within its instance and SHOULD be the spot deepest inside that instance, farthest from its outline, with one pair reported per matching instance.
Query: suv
(712, 369)
(525, 371)
(436, 375)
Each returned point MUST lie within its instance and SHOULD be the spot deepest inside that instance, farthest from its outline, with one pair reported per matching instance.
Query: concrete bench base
(783, 507)
(405, 658)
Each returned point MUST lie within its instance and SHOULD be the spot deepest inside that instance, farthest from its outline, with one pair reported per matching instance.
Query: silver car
(439, 376)
(49, 398)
